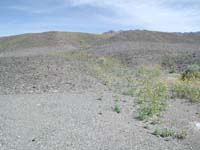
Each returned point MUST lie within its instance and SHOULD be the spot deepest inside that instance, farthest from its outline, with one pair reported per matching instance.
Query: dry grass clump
(166, 132)
(186, 90)
(191, 73)
(188, 86)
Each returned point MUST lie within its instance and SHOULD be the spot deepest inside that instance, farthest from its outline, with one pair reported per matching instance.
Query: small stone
(100, 113)
(33, 140)
(197, 125)
(99, 99)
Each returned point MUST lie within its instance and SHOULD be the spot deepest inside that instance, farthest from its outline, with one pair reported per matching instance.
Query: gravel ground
(50, 103)
(73, 121)
(43, 74)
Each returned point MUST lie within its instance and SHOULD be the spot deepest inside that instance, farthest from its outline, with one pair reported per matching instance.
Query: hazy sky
(22, 16)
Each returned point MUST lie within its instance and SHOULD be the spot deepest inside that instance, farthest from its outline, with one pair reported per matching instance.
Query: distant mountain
(74, 40)
(132, 47)
(153, 36)
(67, 40)
(192, 33)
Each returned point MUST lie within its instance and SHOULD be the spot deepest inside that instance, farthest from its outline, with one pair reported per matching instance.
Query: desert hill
(126, 90)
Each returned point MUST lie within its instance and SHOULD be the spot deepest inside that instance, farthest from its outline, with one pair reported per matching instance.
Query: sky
(97, 16)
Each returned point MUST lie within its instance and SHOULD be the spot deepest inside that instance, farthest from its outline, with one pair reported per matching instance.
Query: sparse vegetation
(117, 108)
(188, 86)
(155, 121)
(95, 67)
(152, 94)
(146, 84)
(181, 135)
(82, 56)
(164, 132)
(186, 90)
(191, 73)
(179, 62)
(152, 99)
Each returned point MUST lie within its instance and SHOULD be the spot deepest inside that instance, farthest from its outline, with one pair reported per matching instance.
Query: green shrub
(170, 133)
(164, 132)
(181, 135)
(152, 99)
(192, 72)
(152, 93)
(145, 72)
(129, 92)
(186, 90)
(179, 62)
(117, 108)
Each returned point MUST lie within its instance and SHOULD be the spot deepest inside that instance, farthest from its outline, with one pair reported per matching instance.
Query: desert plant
(164, 132)
(147, 72)
(81, 55)
(152, 99)
(152, 93)
(129, 92)
(186, 90)
(181, 135)
(117, 108)
(192, 72)
(180, 61)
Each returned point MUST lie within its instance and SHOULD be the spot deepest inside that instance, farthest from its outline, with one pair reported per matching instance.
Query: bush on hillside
(192, 72)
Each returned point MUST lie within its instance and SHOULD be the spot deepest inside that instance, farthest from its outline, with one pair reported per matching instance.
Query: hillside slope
(62, 90)
(144, 47)
(152, 36)
(48, 42)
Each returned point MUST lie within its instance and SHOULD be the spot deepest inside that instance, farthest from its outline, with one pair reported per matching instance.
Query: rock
(197, 125)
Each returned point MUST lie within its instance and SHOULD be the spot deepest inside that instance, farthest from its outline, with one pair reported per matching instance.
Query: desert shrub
(146, 72)
(129, 92)
(170, 64)
(81, 55)
(186, 90)
(117, 108)
(110, 71)
(164, 132)
(113, 74)
(152, 98)
(108, 63)
(152, 93)
(181, 135)
(192, 72)
(179, 62)
(84, 45)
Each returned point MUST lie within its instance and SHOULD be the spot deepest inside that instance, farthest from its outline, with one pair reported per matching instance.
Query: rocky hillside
(132, 47)
(62, 90)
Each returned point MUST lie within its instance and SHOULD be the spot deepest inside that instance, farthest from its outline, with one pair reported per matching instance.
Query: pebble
(197, 125)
